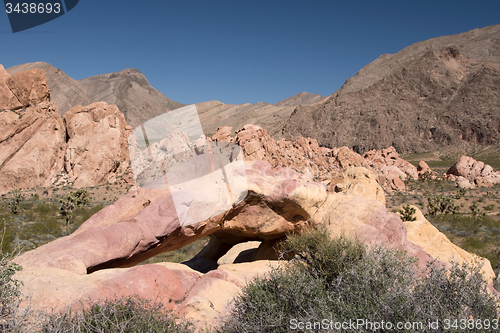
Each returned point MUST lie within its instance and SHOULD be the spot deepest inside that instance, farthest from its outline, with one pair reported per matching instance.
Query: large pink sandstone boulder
(97, 148)
(23, 89)
(478, 173)
(144, 223)
(31, 147)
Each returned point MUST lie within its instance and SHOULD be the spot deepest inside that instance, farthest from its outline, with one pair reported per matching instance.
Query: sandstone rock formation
(319, 163)
(70, 271)
(468, 172)
(97, 147)
(443, 92)
(40, 148)
(32, 132)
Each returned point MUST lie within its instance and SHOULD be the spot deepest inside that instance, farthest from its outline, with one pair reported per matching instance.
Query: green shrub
(407, 213)
(120, 316)
(381, 284)
(461, 193)
(315, 253)
(441, 204)
(9, 293)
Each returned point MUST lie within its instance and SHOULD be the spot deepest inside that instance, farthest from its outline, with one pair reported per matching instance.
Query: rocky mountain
(215, 114)
(128, 89)
(443, 92)
(272, 117)
(302, 98)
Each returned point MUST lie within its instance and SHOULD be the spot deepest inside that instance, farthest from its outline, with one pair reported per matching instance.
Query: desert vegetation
(470, 218)
(333, 280)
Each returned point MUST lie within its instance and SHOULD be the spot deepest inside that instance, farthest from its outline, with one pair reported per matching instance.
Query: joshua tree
(70, 202)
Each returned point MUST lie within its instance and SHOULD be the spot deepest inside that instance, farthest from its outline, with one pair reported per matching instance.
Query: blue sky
(237, 51)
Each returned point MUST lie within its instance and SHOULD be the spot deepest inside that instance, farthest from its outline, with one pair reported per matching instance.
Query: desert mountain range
(436, 94)
(443, 92)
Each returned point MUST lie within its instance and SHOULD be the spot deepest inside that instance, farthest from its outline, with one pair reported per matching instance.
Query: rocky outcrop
(422, 233)
(319, 163)
(70, 271)
(97, 147)
(39, 148)
(32, 132)
(443, 92)
(468, 172)
(23, 89)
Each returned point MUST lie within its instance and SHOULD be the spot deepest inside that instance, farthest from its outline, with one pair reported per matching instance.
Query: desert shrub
(461, 193)
(476, 212)
(14, 202)
(117, 316)
(9, 293)
(407, 213)
(381, 284)
(441, 204)
(315, 253)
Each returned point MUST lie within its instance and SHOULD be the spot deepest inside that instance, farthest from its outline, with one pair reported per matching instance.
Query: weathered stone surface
(31, 147)
(279, 201)
(56, 289)
(8, 101)
(436, 244)
(358, 181)
(97, 148)
(30, 87)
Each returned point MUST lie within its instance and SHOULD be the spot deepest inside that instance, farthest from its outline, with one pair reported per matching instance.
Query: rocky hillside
(128, 89)
(443, 92)
(272, 117)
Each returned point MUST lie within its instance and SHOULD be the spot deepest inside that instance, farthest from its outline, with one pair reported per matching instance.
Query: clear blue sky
(237, 51)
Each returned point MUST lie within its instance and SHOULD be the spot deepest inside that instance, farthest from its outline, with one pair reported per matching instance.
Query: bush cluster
(126, 315)
(374, 284)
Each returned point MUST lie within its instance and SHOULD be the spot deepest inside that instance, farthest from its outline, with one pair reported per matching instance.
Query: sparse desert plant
(441, 204)
(124, 315)
(476, 212)
(9, 293)
(70, 202)
(14, 203)
(407, 213)
(489, 207)
(461, 193)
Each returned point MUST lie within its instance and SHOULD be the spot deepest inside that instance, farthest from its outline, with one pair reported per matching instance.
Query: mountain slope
(444, 92)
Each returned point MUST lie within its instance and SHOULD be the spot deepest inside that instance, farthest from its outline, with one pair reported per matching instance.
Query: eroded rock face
(31, 147)
(319, 163)
(32, 132)
(39, 148)
(279, 201)
(97, 149)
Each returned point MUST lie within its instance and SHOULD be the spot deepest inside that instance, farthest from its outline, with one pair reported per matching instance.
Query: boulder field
(99, 259)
